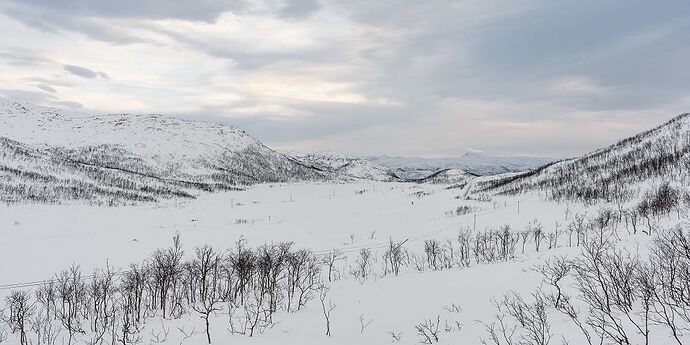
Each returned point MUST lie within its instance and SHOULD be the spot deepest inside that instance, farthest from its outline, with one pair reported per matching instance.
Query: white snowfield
(314, 216)
(322, 216)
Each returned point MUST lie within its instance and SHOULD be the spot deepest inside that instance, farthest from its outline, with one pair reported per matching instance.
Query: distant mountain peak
(473, 154)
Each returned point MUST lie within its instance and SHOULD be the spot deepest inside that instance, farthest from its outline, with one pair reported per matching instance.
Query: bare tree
(207, 278)
(464, 241)
(326, 308)
(553, 271)
(186, 334)
(531, 324)
(331, 259)
(21, 309)
(363, 264)
(537, 233)
(433, 251)
(71, 292)
(394, 256)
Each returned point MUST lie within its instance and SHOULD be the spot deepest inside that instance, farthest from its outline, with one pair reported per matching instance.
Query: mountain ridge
(471, 162)
(345, 165)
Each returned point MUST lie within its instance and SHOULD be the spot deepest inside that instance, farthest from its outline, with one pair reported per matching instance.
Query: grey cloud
(80, 71)
(193, 10)
(18, 56)
(207, 10)
(84, 72)
(321, 119)
(87, 17)
(507, 56)
(422, 53)
(300, 8)
(503, 56)
(46, 88)
(247, 59)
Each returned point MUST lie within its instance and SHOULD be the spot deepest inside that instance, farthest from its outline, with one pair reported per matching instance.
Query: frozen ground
(39, 240)
(315, 216)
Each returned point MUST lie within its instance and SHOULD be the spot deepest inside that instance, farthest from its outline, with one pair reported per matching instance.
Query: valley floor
(40, 240)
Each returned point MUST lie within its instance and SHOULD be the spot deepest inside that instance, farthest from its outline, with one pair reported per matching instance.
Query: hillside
(449, 176)
(471, 162)
(175, 152)
(345, 166)
(614, 173)
(49, 176)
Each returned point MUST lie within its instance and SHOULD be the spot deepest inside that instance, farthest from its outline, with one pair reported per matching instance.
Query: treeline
(610, 174)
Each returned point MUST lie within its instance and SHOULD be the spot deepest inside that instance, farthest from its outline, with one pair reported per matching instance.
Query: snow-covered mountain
(471, 162)
(199, 155)
(615, 173)
(343, 165)
(449, 176)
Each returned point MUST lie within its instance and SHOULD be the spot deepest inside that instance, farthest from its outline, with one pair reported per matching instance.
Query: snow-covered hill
(204, 155)
(472, 162)
(615, 173)
(449, 176)
(347, 166)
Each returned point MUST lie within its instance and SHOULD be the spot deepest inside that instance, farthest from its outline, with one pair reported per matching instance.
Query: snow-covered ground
(315, 216)
(39, 240)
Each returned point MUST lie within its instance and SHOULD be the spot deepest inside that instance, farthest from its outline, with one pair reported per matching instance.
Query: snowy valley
(146, 229)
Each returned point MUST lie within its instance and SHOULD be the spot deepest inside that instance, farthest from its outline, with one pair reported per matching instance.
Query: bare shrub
(519, 321)
(394, 257)
(428, 330)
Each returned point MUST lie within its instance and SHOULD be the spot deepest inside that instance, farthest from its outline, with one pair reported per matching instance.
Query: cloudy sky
(407, 77)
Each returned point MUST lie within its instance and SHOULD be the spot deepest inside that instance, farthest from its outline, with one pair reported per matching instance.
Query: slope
(615, 173)
(199, 155)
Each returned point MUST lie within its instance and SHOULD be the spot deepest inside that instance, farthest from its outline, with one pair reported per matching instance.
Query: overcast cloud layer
(407, 77)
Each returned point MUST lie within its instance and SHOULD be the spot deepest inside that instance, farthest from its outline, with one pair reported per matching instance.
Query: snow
(146, 135)
(449, 176)
(167, 145)
(318, 216)
(628, 167)
(344, 165)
